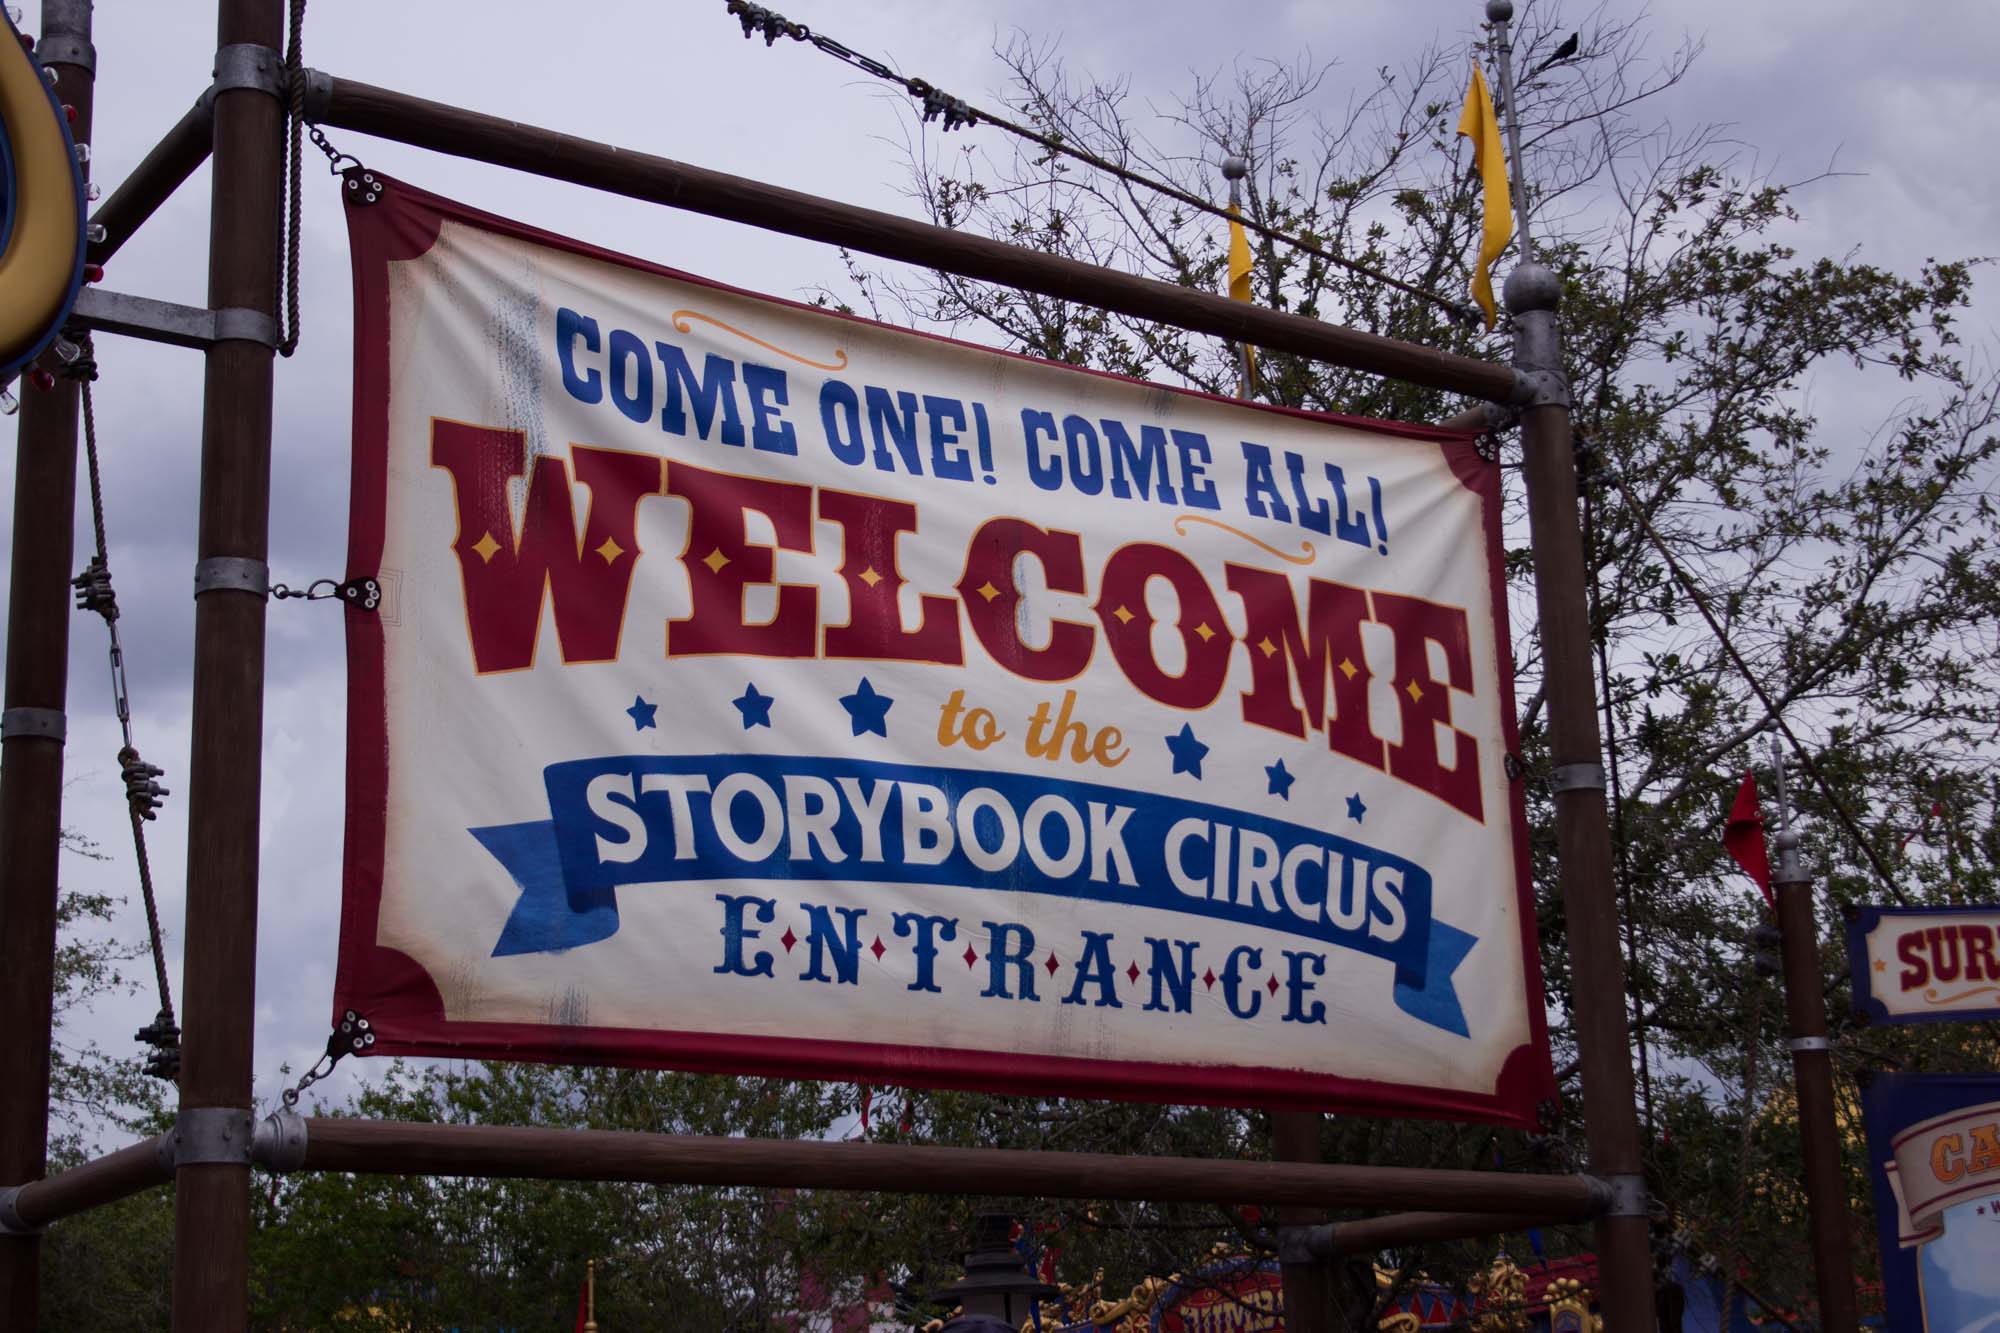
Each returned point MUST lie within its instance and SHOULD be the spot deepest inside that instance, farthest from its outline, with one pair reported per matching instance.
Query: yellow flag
(1239, 277)
(1479, 124)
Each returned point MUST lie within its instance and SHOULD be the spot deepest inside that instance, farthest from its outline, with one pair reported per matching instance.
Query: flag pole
(590, 1296)
(1234, 169)
(1498, 12)
(1583, 826)
(1831, 1228)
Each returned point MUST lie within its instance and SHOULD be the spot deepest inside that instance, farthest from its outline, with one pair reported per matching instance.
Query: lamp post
(997, 1292)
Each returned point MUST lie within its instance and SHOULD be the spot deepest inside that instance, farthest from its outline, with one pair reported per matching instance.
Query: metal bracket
(363, 594)
(1622, 1196)
(235, 323)
(232, 573)
(66, 48)
(319, 95)
(1576, 777)
(278, 1143)
(207, 1136)
(170, 322)
(48, 723)
(1305, 1244)
(1539, 388)
(249, 65)
(10, 1216)
(1799, 1044)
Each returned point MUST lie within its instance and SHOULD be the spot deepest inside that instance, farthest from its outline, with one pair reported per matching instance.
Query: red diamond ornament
(1133, 972)
(969, 956)
(788, 939)
(877, 949)
(1052, 964)
(1208, 978)
(1272, 985)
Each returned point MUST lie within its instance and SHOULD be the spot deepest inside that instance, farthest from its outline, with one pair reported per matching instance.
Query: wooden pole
(498, 1151)
(447, 129)
(115, 1176)
(1295, 1137)
(212, 1202)
(1831, 1229)
(1583, 834)
(31, 754)
(162, 171)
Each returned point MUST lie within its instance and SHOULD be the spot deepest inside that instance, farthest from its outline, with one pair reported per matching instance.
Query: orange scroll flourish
(1307, 554)
(681, 325)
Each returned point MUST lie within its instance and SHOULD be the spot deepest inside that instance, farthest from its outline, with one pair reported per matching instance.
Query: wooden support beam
(173, 159)
(345, 104)
(395, 1148)
(225, 772)
(107, 1179)
(31, 772)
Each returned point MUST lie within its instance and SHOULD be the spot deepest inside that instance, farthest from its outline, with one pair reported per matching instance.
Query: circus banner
(756, 688)
(1934, 1155)
(1925, 964)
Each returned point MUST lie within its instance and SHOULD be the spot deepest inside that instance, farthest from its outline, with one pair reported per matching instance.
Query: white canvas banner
(758, 688)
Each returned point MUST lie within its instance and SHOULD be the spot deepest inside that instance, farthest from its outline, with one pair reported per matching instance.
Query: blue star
(1187, 751)
(1355, 809)
(641, 713)
(867, 709)
(755, 707)
(1281, 781)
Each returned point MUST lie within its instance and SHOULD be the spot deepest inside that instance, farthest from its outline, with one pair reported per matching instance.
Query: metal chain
(956, 112)
(351, 1035)
(143, 792)
(295, 78)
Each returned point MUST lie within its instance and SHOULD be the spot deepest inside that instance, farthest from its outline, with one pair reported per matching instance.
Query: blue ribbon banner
(706, 818)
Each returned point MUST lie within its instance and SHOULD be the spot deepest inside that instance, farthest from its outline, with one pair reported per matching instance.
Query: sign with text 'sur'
(760, 689)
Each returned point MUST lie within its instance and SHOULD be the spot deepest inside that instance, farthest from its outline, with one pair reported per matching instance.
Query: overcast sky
(1900, 93)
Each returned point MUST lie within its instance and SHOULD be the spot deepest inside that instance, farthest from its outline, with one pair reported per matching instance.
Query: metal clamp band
(1622, 1196)
(243, 324)
(66, 48)
(10, 1216)
(232, 573)
(1799, 1044)
(279, 1141)
(1576, 777)
(1306, 1244)
(48, 723)
(248, 65)
(208, 1136)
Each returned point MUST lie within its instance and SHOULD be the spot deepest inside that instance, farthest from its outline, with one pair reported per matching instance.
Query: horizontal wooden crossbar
(1482, 1202)
(345, 104)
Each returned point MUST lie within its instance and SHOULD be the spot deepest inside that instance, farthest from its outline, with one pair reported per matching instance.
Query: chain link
(351, 1035)
(955, 112)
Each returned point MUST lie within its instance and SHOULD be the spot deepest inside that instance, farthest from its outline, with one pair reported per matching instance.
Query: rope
(143, 792)
(1812, 769)
(295, 78)
(956, 112)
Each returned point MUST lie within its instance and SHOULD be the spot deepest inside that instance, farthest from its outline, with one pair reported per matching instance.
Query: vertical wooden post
(1583, 833)
(1831, 1228)
(1308, 1285)
(31, 753)
(212, 1204)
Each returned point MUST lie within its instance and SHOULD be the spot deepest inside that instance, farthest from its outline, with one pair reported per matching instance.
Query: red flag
(1744, 837)
(582, 1305)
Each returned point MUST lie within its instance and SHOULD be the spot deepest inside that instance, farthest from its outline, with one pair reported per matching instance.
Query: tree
(1851, 568)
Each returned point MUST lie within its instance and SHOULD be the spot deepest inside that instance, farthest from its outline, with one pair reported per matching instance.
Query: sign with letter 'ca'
(754, 688)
